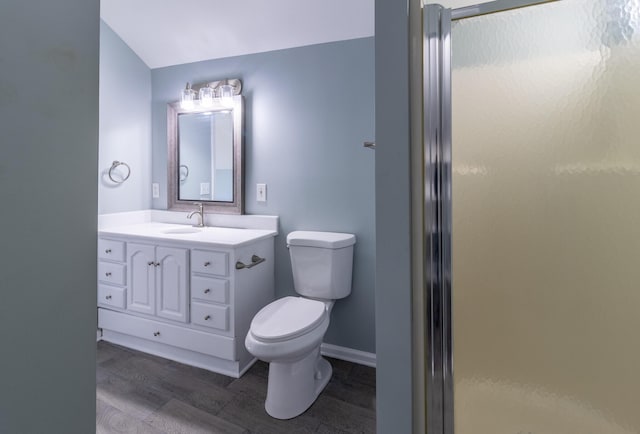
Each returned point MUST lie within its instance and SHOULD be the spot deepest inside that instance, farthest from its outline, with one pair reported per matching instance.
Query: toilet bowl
(288, 332)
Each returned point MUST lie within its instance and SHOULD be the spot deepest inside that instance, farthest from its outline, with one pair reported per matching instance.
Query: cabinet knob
(206, 264)
(156, 333)
(206, 291)
(107, 251)
(108, 297)
(207, 318)
(107, 273)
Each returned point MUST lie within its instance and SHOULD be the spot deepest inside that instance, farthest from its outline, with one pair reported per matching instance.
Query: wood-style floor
(141, 393)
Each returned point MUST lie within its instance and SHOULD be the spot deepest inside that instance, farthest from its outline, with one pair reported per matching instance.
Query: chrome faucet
(200, 212)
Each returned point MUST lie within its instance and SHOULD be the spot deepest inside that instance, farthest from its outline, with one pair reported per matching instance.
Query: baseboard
(98, 335)
(349, 354)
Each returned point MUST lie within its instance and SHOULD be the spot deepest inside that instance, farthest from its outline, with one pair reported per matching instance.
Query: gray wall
(393, 280)
(125, 125)
(48, 156)
(308, 111)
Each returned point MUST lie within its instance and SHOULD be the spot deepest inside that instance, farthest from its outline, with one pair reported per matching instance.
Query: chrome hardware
(186, 172)
(156, 333)
(151, 263)
(206, 264)
(156, 264)
(255, 260)
(107, 251)
(206, 291)
(108, 297)
(370, 145)
(114, 165)
(199, 212)
(207, 318)
(107, 273)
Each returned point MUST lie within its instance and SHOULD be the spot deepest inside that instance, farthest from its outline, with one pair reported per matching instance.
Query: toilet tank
(322, 263)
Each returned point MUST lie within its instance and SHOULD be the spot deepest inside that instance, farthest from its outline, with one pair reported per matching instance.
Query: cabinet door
(171, 283)
(141, 278)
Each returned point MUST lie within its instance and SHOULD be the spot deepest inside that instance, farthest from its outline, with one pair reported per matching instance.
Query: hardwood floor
(141, 393)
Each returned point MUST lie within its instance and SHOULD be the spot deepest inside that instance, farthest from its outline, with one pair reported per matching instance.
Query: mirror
(205, 157)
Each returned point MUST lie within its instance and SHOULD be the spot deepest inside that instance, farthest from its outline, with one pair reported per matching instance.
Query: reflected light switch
(204, 188)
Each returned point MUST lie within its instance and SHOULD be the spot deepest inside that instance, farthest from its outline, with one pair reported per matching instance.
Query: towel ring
(186, 175)
(116, 164)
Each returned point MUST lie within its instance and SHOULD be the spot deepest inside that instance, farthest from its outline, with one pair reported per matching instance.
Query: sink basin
(187, 230)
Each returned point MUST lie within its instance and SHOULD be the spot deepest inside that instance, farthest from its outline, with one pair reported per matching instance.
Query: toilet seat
(287, 318)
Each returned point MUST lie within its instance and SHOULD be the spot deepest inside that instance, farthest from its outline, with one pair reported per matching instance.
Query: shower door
(532, 217)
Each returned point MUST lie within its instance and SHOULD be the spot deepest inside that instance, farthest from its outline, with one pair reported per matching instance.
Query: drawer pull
(108, 297)
(206, 291)
(151, 263)
(108, 273)
(255, 260)
(107, 251)
(156, 334)
(157, 264)
(207, 318)
(206, 264)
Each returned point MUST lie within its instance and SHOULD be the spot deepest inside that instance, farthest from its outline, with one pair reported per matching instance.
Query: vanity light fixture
(222, 91)
(206, 96)
(226, 94)
(187, 97)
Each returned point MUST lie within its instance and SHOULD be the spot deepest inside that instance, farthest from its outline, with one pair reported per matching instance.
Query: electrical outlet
(261, 192)
(155, 190)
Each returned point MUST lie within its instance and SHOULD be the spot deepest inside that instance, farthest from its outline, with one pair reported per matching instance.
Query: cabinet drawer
(203, 261)
(210, 289)
(111, 250)
(111, 296)
(111, 273)
(209, 315)
(177, 336)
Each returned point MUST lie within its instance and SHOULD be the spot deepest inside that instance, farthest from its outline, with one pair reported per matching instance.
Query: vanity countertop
(208, 235)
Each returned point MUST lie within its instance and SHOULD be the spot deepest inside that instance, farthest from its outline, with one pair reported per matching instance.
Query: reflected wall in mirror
(205, 157)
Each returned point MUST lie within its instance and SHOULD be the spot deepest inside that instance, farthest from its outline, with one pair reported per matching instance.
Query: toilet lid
(287, 318)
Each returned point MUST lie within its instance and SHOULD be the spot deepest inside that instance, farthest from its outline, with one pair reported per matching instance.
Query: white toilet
(288, 332)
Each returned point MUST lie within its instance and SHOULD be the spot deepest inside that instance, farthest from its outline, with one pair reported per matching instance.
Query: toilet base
(294, 386)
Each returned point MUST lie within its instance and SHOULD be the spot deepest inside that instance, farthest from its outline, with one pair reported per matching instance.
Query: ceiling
(172, 32)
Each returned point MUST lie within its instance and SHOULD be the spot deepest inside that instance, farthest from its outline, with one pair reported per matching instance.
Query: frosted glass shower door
(546, 219)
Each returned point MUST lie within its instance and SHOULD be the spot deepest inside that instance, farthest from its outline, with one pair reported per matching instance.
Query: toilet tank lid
(327, 240)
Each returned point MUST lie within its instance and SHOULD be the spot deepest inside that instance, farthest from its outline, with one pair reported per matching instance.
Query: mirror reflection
(205, 153)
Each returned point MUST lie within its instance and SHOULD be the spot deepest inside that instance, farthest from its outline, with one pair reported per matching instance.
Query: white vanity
(184, 293)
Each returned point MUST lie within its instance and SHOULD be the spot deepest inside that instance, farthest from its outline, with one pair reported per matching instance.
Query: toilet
(287, 333)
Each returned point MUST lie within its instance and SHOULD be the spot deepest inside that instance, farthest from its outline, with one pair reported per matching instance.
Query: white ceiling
(171, 32)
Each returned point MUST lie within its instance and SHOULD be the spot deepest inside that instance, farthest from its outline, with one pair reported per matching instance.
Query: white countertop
(209, 235)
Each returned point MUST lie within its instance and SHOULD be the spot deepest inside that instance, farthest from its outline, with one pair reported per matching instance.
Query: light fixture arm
(235, 83)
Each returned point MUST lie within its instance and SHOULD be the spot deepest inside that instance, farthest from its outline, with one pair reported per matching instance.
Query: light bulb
(226, 95)
(187, 97)
(206, 96)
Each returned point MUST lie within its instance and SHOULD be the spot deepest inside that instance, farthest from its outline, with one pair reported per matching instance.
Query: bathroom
(308, 109)
(49, 57)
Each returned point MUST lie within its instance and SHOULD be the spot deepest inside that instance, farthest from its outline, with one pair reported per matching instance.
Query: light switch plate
(261, 192)
(155, 190)
(204, 188)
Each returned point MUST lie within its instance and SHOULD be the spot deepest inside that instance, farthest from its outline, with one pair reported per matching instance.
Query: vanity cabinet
(111, 273)
(185, 301)
(158, 281)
